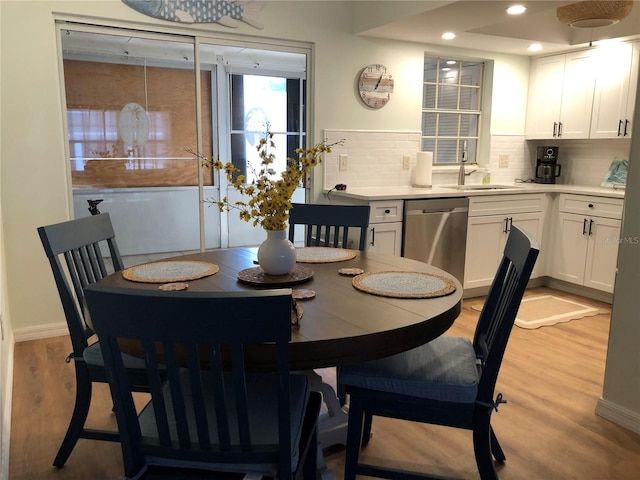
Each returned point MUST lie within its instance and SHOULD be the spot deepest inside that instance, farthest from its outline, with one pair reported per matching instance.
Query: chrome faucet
(461, 172)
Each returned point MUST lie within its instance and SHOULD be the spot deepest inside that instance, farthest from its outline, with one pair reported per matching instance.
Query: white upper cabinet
(561, 96)
(615, 90)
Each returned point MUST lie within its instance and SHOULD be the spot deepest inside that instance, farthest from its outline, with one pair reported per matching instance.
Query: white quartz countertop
(443, 191)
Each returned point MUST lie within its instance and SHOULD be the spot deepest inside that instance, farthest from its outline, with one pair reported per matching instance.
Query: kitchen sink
(479, 187)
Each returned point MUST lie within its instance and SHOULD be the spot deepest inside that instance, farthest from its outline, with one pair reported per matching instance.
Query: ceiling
(485, 25)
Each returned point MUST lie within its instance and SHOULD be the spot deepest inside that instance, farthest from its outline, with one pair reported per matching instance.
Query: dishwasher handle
(441, 210)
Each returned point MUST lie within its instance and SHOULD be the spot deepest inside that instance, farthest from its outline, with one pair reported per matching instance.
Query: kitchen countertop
(442, 191)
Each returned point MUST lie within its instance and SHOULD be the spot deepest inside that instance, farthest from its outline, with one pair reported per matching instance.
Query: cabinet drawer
(386, 211)
(505, 204)
(587, 205)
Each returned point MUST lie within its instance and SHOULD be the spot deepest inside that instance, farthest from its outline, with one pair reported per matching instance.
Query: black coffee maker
(547, 167)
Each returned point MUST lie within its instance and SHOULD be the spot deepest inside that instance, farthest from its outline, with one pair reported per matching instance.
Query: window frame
(430, 133)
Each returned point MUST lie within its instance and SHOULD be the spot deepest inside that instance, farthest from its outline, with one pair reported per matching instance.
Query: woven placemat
(404, 284)
(323, 254)
(257, 276)
(170, 271)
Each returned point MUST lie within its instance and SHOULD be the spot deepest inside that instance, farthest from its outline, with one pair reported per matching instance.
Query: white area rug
(541, 310)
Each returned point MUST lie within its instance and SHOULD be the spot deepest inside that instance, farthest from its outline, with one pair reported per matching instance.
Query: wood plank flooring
(551, 377)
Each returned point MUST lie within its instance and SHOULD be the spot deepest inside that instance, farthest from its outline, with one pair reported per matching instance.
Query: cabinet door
(543, 107)
(612, 90)
(570, 247)
(485, 244)
(385, 238)
(577, 95)
(602, 253)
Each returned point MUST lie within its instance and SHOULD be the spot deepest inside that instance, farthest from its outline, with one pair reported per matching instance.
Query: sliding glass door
(138, 105)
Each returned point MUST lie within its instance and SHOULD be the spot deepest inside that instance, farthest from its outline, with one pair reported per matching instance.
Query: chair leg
(366, 429)
(354, 438)
(79, 416)
(482, 440)
(496, 449)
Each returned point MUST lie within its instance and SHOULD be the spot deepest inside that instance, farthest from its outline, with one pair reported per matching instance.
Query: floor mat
(541, 310)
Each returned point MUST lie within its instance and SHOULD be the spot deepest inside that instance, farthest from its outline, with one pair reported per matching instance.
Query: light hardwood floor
(551, 378)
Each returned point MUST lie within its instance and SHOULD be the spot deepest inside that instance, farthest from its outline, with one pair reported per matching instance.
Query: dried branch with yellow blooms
(269, 194)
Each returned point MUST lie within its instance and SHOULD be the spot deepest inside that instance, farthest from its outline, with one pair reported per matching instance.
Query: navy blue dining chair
(212, 412)
(449, 381)
(73, 249)
(328, 225)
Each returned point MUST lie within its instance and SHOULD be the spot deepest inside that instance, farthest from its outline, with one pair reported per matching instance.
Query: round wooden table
(341, 324)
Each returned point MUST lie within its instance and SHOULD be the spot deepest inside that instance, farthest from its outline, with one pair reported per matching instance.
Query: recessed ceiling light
(445, 69)
(451, 62)
(448, 36)
(534, 47)
(516, 10)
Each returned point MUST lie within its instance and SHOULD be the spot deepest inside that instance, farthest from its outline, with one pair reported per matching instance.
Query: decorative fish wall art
(227, 13)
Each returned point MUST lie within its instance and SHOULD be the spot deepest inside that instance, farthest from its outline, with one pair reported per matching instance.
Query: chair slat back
(73, 250)
(501, 306)
(182, 331)
(328, 225)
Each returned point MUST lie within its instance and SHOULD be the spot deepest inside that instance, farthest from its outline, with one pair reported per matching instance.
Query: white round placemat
(169, 271)
(323, 254)
(404, 284)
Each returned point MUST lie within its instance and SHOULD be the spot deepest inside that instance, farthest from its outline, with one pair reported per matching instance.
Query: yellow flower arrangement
(269, 195)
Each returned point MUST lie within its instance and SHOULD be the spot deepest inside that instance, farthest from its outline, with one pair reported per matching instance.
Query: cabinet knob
(387, 211)
(591, 205)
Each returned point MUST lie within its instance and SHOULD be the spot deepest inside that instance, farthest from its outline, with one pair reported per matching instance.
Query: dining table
(348, 306)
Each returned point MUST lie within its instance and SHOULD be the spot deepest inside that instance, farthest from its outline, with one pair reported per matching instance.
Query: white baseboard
(41, 331)
(619, 415)
(7, 401)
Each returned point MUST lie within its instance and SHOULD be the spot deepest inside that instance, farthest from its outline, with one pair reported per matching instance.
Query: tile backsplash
(375, 159)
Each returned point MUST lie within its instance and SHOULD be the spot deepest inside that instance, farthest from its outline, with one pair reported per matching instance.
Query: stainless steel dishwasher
(435, 232)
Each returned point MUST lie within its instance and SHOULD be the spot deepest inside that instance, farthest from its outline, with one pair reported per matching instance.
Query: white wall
(6, 346)
(621, 394)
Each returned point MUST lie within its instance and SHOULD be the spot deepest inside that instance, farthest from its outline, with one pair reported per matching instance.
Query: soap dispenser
(486, 176)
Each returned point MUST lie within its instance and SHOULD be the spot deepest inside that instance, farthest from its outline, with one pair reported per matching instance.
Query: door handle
(373, 236)
(584, 226)
(559, 129)
(555, 125)
(619, 127)
(506, 225)
(626, 125)
(590, 227)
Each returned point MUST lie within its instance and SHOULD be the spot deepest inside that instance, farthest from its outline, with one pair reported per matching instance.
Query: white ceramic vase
(277, 255)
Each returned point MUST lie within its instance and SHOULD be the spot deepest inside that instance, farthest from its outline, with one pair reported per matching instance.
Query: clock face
(375, 86)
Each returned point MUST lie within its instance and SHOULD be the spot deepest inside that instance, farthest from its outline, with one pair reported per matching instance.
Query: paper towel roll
(424, 164)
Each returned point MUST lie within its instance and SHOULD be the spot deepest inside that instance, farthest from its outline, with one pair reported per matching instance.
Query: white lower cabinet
(385, 238)
(385, 227)
(586, 246)
(490, 220)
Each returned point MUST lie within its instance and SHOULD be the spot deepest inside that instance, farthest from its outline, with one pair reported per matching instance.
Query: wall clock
(375, 85)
